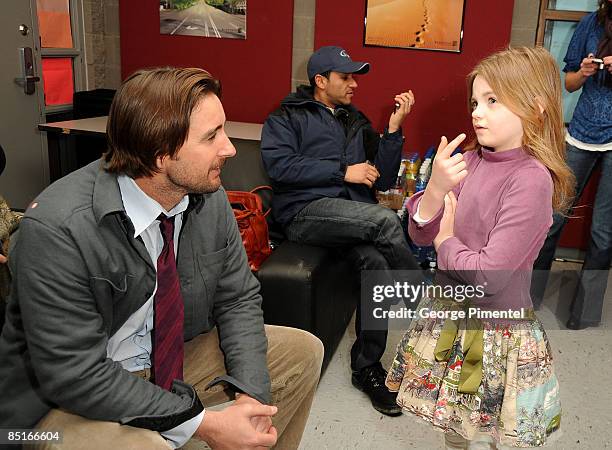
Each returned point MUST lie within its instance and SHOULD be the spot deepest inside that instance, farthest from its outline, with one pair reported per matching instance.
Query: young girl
(490, 380)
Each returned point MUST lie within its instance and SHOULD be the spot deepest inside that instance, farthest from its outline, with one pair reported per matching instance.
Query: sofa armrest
(311, 288)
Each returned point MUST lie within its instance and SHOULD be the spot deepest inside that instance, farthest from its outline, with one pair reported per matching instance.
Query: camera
(599, 62)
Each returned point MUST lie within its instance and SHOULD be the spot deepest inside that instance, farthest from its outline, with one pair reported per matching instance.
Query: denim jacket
(592, 119)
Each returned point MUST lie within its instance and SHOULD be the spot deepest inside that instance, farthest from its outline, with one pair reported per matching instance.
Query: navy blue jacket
(306, 148)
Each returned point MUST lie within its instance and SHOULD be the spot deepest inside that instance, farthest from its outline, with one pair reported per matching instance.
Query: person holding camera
(588, 66)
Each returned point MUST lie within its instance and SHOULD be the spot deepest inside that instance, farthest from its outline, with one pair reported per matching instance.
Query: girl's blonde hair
(527, 80)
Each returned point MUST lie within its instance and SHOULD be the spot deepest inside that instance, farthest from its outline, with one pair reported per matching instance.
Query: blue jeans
(588, 300)
(371, 237)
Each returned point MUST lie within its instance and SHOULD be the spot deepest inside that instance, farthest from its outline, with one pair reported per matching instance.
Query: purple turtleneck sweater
(504, 211)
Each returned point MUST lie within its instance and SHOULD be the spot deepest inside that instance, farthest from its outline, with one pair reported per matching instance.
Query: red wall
(436, 78)
(255, 73)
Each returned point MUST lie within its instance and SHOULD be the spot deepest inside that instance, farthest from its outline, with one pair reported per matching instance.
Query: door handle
(28, 78)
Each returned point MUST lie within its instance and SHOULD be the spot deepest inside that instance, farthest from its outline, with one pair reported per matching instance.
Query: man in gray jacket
(129, 276)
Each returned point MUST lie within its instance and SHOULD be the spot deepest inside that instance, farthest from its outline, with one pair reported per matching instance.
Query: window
(60, 29)
(557, 23)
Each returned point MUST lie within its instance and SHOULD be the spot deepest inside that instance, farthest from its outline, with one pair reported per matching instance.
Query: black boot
(371, 381)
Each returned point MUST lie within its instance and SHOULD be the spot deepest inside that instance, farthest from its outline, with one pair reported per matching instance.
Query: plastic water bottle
(421, 183)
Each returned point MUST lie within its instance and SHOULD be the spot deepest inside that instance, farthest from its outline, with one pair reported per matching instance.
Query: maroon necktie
(169, 313)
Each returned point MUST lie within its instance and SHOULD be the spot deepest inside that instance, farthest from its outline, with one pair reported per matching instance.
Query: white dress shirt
(131, 344)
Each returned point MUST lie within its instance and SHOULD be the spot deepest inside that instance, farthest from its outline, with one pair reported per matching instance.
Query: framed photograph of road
(415, 24)
(209, 18)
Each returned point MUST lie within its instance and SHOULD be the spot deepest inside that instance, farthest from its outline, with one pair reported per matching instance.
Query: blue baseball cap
(335, 59)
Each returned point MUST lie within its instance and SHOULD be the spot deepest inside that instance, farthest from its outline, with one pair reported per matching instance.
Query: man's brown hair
(150, 115)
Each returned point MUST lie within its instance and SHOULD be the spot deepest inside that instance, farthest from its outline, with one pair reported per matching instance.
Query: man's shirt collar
(142, 209)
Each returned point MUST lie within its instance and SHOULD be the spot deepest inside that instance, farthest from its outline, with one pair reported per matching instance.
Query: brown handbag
(248, 210)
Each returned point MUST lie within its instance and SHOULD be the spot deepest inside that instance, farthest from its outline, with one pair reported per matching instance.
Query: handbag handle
(243, 214)
(262, 188)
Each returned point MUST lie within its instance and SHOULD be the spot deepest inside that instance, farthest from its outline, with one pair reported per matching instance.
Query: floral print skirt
(517, 402)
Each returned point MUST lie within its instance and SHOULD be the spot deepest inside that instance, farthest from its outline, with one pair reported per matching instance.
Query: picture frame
(435, 25)
(211, 18)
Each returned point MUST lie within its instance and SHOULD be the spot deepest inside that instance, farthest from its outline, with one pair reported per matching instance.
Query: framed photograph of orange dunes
(415, 24)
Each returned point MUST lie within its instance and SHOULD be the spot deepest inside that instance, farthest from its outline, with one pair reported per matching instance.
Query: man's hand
(362, 173)
(405, 100)
(261, 423)
(234, 429)
(2, 259)
(447, 224)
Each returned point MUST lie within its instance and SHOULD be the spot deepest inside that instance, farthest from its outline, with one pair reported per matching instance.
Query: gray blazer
(78, 274)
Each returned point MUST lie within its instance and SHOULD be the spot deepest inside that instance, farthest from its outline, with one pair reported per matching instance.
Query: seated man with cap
(325, 162)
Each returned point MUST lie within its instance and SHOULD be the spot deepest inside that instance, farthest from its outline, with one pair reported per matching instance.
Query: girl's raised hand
(447, 171)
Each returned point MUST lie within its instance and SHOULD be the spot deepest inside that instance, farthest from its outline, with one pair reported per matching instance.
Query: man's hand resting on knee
(261, 423)
(246, 424)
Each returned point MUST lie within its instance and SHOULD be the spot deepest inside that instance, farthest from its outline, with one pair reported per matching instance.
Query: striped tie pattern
(168, 313)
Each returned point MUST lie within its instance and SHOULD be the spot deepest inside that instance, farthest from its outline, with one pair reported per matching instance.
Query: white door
(27, 166)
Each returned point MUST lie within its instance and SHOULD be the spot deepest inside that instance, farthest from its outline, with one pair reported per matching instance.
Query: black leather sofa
(306, 287)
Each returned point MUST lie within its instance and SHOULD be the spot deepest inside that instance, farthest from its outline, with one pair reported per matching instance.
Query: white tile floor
(342, 417)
